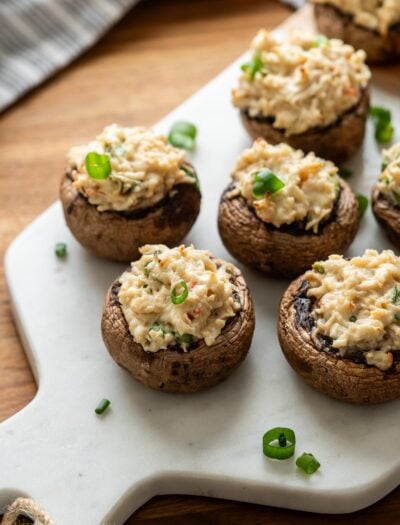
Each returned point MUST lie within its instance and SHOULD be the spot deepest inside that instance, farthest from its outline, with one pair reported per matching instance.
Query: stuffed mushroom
(179, 320)
(283, 210)
(372, 25)
(309, 92)
(386, 194)
(127, 188)
(339, 327)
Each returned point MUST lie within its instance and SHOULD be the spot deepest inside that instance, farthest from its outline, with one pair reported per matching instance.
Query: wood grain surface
(163, 51)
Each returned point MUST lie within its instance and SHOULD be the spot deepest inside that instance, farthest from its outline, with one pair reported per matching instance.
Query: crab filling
(307, 190)
(357, 305)
(376, 15)
(389, 179)
(175, 297)
(144, 169)
(301, 83)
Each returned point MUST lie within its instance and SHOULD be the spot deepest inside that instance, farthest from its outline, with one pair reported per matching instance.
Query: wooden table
(163, 51)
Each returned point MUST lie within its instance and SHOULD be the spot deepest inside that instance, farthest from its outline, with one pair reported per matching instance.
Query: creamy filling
(144, 169)
(357, 305)
(178, 296)
(389, 179)
(377, 15)
(302, 82)
(310, 188)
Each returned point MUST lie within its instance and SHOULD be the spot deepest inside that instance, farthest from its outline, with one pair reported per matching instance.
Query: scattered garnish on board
(279, 443)
(362, 203)
(183, 135)
(382, 119)
(308, 463)
(60, 249)
(102, 406)
(98, 166)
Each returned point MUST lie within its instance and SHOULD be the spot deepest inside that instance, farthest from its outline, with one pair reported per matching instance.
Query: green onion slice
(98, 166)
(362, 203)
(345, 173)
(318, 268)
(396, 295)
(192, 174)
(265, 181)
(185, 128)
(253, 66)
(179, 298)
(102, 406)
(382, 119)
(60, 249)
(308, 463)
(179, 140)
(384, 165)
(273, 439)
(321, 40)
(184, 338)
(352, 319)
(397, 318)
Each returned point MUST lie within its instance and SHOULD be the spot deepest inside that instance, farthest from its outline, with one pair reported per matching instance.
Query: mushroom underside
(333, 23)
(337, 377)
(337, 142)
(281, 252)
(174, 370)
(387, 214)
(117, 236)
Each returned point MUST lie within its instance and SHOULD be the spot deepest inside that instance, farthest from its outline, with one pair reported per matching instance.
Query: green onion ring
(275, 451)
(98, 166)
(179, 299)
(308, 463)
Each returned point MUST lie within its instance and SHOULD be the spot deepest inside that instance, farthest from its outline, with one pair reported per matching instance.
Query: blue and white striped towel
(39, 37)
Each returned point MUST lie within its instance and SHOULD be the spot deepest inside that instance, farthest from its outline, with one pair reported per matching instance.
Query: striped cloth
(39, 37)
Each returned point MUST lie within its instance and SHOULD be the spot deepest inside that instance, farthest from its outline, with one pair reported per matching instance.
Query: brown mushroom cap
(387, 214)
(281, 252)
(333, 23)
(118, 236)
(173, 370)
(336, 142)
(339, 378)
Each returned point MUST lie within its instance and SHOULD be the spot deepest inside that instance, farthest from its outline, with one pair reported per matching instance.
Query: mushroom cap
(337, 142)
(173, 370)
(387, 214)
(117, 236)
(282, 252)
(333, 23)
(337, 377)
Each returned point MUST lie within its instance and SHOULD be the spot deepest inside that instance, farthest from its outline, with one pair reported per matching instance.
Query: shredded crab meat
(389, 180)
(144, 169)
(376, 15)
(302, 84)
(310, 191)
(146, 291)
(358, 304)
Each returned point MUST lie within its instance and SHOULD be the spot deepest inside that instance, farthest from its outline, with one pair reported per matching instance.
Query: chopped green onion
(272, 440)
(98, 166)
(396, 197)
(179, 298)
(308, 463)
(384, 165)
(382, 119)
(265, 181)
(146, 270)
(345, 173)
(318, 268)
(60, 249)
(156, 327)
(397, 318)
(396, 295)
(362, 203)
(102, 406)
(253, 66)
(321, 40)
(352, 319)
(193, 175)
(185, 338)
(183, 135)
